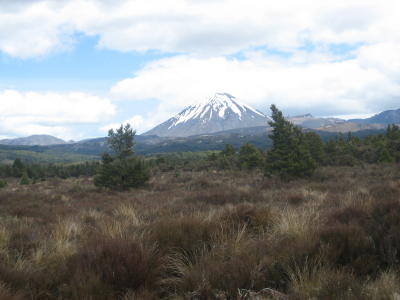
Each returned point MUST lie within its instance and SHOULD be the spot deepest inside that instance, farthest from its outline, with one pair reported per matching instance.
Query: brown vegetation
(205, 235)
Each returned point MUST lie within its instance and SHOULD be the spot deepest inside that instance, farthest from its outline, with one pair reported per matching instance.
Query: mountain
(34, 140)
(309, 121)
(219, 113)
(386, 117)
(351, 127)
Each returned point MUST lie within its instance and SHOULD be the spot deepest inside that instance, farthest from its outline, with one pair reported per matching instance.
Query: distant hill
(351, 127)
(34, 140)
(386, 117)
(309, 121)
(41, 154)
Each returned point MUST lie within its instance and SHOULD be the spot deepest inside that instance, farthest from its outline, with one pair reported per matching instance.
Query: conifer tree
(123, 169)
(289, 156)
(315, 146)
(228, 150)
(250, 156)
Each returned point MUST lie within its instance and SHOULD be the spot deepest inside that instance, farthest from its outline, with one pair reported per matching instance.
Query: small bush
(3, 183)
(122, 174)
(25, 179)
(123, 169)
(250, 157)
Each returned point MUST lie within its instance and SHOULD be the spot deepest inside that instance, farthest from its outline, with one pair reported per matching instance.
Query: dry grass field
(205, 235)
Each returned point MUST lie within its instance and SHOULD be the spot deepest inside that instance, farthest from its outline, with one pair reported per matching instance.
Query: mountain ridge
(34, 140)
(386, 117)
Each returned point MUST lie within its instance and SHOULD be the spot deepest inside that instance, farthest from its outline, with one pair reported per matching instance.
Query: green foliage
(289, 156)
(350, 150)
(18, 168)
(121, 141)
(124, 170)
(25, 179)
(44, 154)
(42, 171)
(315, 146)
(213, 157)
(342, 151)
(250, 157)
(393, 145)
(229, 150)
(122, 174)
(3, 183)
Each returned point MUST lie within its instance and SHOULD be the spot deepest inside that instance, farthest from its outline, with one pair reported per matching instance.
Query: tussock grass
(204, 235)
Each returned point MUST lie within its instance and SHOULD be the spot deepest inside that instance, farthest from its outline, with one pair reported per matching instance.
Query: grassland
(205, 235)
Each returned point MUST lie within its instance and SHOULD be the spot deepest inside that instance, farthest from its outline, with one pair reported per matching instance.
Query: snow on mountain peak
(216, 105)
(220, 112)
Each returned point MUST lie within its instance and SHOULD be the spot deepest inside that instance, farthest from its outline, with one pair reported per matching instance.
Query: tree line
(36, 171)
(295, 153)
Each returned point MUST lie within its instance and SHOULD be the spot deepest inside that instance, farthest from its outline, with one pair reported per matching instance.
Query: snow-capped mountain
(220, 112)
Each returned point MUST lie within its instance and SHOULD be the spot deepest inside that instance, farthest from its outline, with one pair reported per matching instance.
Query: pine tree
(393, 141)
(315, 145)
(18, 168)
(229, 150)
(123, 169)
(250, 157)
(289, 156)
(121, 141)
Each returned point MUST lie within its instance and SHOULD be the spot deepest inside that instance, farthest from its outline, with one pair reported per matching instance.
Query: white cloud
(34, 28)
(314, 78)
(359, 85)
(26, 113)
(137, 122)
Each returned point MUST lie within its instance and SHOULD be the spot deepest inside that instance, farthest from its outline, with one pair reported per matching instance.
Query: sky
(74, 69)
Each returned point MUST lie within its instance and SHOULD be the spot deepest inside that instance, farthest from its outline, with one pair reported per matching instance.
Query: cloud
(138, 123)
(325, 57)
(26, 113)
(363, 84)
(36, 28)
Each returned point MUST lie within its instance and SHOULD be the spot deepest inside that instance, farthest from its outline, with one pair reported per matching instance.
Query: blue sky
(84, 67)
(73, 69)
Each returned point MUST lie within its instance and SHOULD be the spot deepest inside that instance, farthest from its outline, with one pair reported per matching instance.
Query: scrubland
(205, 235)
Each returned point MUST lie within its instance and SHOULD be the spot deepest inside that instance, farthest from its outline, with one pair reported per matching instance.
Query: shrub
(250, 157)
(122, 174)
(3, 183)
(123, 170)
(24, 180)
